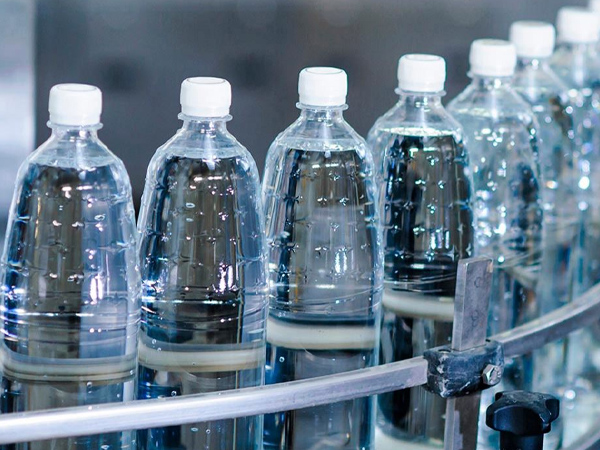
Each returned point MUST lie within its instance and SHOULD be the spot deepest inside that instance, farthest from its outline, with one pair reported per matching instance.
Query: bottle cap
(492, 58)
(75, 104)
(532, 39)
(205, 97)
(322, 86)
(577, 25)
(421, 73)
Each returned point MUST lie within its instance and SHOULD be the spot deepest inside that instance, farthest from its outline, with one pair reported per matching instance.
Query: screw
(491, 375)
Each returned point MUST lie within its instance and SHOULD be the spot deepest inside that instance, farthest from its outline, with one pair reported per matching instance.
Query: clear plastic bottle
(547, 95)
(325, 264)
(577, 62)
(500, 134)
(204, 281)
(70, 279)
(427, 227)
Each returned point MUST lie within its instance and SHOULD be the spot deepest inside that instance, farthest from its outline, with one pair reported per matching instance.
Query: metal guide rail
(472, 296)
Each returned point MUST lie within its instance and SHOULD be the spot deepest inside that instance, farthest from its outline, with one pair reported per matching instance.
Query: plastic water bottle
(70, 279)
(325, 264)
(547, 95)
(427, 227)
(500, 135)
(203, 261)
(577, 61)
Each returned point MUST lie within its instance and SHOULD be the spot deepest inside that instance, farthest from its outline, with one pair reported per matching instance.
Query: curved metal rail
(584, 311)
(140, 414)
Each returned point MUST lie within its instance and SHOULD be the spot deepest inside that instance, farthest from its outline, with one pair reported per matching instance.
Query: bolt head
(491, 375)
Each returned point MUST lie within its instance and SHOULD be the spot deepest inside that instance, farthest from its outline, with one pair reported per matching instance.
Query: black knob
(522, 418)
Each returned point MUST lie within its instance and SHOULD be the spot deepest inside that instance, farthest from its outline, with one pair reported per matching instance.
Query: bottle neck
(73, 133)
(490, 82)
(322, 114)
(420, 100)
(533, 63)
(579, 47)
(204, 125)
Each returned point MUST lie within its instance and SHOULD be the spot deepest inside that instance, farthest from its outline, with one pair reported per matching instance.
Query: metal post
(473, 288)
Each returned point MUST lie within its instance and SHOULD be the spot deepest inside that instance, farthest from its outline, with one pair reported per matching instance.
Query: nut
(491, 375)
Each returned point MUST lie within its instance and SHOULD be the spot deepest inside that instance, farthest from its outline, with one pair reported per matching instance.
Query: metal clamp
(452, 373)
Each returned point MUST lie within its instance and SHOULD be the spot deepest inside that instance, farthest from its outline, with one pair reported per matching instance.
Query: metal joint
(453, 373)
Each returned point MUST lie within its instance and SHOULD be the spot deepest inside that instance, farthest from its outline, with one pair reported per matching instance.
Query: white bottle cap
(75, 104)
(532, 39)
(421, 73)
(322, 86)
(492, 58)
(577, 25)
(205, 97)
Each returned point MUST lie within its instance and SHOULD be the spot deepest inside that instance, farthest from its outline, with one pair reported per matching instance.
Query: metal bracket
(452, 373)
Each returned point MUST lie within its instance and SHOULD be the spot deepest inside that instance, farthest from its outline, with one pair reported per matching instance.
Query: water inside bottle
(70, 306)
(325, 289)
(204, 294)
(427, 228)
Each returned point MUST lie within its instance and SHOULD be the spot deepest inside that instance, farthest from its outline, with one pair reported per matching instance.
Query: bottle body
(539, 86)
(325, 275)
(203, 282)
(427, 227)
(70, 285)
(500, 134)
(579, 68)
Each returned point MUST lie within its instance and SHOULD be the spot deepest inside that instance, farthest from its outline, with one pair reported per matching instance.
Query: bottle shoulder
(74, 154)
(317, 135)
(202, 147)
(577, 67)
(491, 105)
(84, 160)
(417, 122)
(539, 84)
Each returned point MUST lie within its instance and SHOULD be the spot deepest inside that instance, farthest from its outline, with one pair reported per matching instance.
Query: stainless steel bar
(473, 288)
(88, 420)
(471, 303)
(555, 325)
